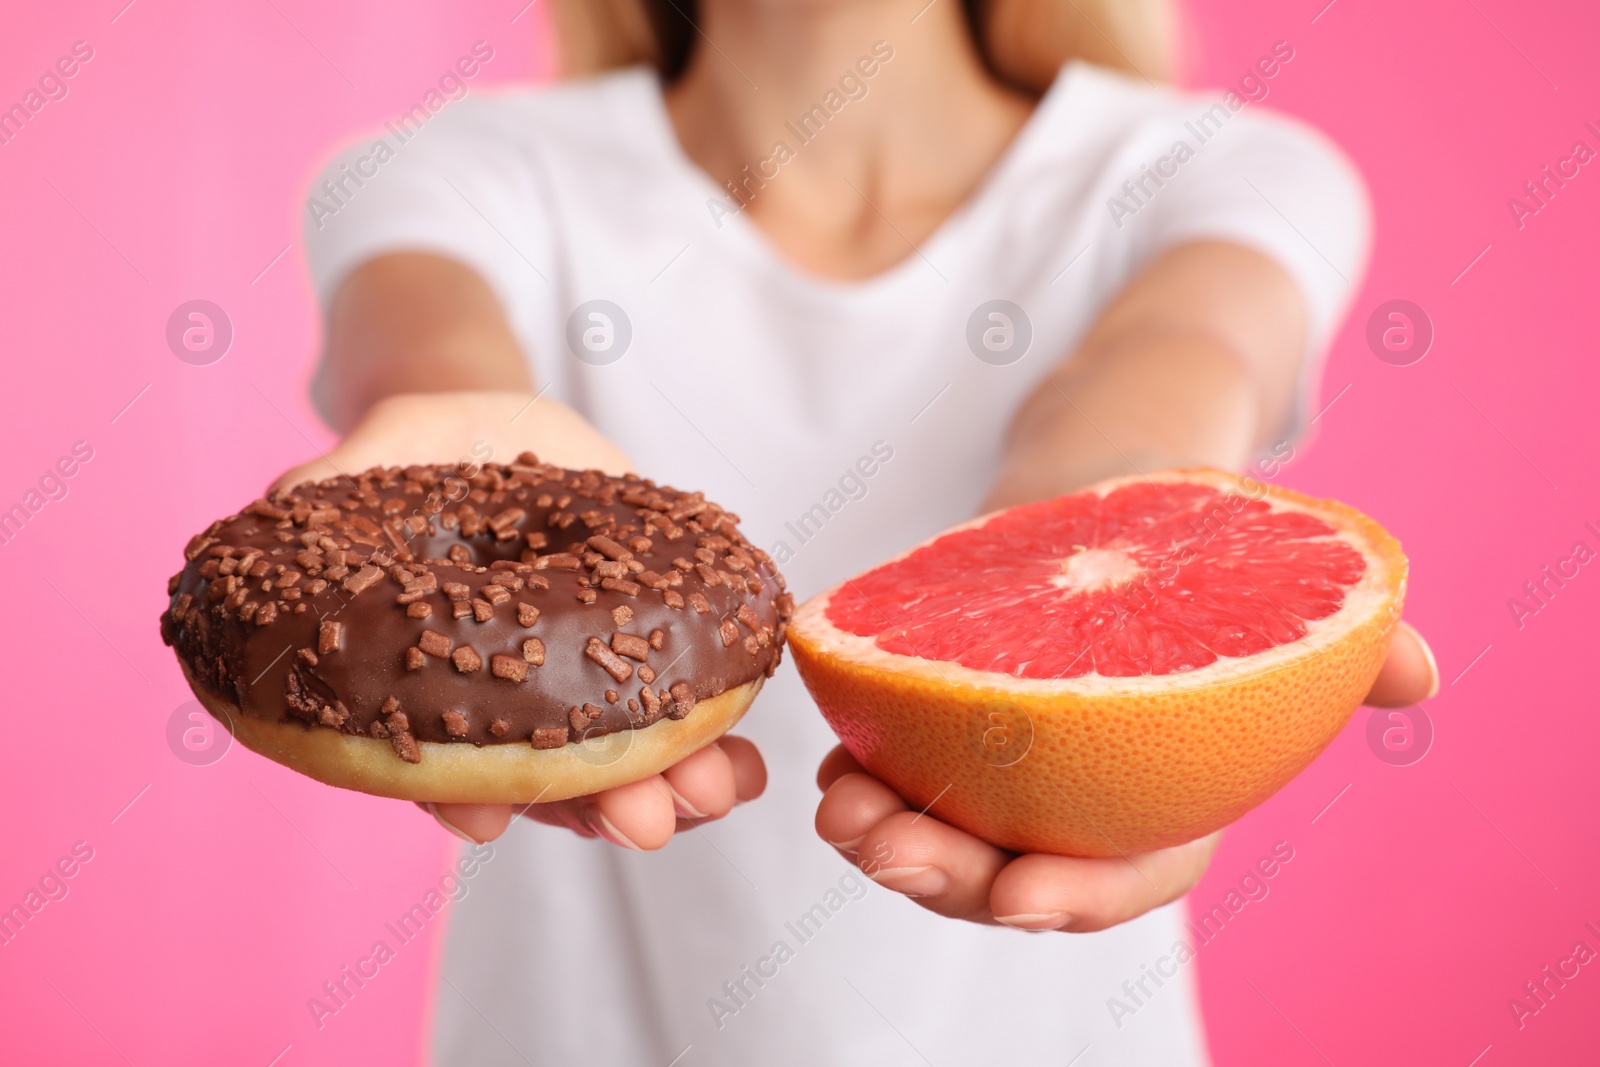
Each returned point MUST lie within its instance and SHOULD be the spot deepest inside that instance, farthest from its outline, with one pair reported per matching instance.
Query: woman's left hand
(955, 874)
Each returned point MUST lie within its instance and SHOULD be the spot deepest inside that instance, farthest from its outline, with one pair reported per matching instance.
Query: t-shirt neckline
(755, 244)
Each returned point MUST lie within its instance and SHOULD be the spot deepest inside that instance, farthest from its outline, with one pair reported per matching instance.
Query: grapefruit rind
(1105, 766)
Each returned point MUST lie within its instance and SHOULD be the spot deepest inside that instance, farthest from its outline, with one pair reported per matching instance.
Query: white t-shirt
(844, 421)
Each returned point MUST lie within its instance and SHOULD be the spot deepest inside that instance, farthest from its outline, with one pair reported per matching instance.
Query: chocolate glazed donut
(496, 635)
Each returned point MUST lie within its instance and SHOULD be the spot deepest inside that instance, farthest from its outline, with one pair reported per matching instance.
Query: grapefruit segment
(1125, 668)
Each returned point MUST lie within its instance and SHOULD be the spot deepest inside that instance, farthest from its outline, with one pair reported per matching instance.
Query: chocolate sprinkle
(597, 651)
(362, 580)
(330, 636)
(549, 737)
(508, 667)
(405, 746)
(631, 646)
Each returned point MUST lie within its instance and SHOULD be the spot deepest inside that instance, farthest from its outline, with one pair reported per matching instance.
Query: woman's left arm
(1195, 363)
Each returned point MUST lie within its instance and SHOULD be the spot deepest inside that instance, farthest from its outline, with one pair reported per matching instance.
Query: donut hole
(476, 550)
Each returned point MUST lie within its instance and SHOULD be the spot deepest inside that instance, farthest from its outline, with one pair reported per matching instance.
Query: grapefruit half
(1125, 668)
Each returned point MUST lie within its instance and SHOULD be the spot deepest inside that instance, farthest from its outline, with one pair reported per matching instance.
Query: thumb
(471, 822)
(314, 471)
(1409, 676)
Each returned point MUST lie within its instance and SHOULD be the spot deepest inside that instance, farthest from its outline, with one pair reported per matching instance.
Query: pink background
(220, 900)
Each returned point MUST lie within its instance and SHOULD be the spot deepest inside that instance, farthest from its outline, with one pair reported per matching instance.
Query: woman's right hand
(471, 427)
(477, 427)
(641, 815)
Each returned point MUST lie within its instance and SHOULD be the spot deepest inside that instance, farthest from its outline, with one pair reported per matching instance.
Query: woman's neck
(847, 130)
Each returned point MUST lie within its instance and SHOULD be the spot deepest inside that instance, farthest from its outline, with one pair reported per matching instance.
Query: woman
(803, 234)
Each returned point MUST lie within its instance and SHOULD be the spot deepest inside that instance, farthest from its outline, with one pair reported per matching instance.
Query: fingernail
(1053, 920)
(682, 806)
(850, 845)
(1433, 664)
(911, 881)
(602, 826)
(431, 810)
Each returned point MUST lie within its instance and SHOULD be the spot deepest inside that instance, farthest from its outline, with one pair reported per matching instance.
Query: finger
(749, 769)
(578, 815)
(836, 765)
(471, 822)
(1039, 892)
(1410, 674)
(637, 816)
(852, 806)
(702, 784)
(948, 870)
(563, 814)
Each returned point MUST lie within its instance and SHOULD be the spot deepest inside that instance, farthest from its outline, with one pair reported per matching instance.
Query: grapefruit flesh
(1124, 668)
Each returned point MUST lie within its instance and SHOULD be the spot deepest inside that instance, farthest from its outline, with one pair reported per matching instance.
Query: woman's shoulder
(608, 109)
(479, 155)
(599, 119)
(1099, 131)
(1101, 112)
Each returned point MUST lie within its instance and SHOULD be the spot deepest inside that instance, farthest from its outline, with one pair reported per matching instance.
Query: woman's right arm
(414, 322)
(421, 366)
